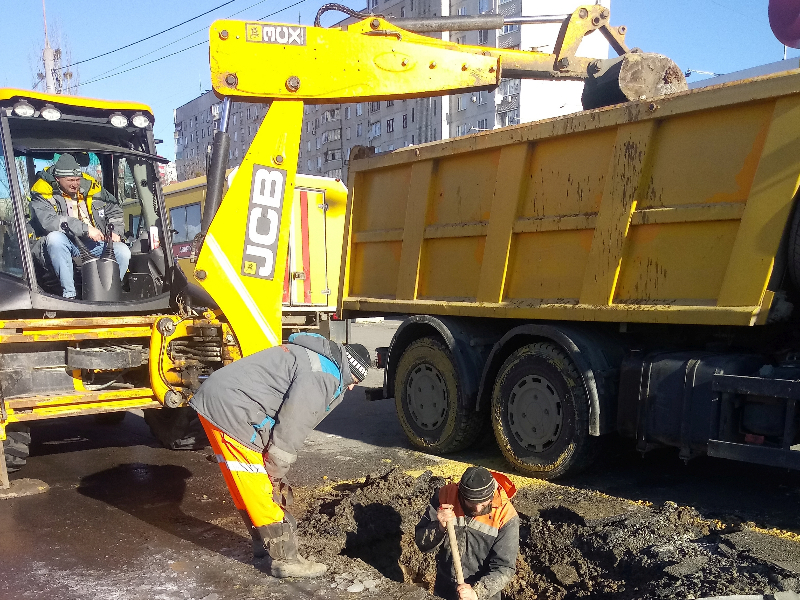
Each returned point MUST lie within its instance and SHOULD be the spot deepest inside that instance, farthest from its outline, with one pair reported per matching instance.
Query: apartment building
(195, 125)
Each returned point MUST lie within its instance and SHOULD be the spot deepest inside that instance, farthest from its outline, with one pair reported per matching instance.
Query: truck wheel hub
(535, 413)
(426, 395)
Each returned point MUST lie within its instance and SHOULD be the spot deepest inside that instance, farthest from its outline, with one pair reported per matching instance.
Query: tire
(17, 446)
(176, 428)
(110, 418)
(541, 379)
(428, 400)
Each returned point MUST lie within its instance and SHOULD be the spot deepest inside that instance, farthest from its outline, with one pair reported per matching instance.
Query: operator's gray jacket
(488, 544)
(273, 399)
(49, 207)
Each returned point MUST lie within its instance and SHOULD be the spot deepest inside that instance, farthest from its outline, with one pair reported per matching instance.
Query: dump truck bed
(660, 211)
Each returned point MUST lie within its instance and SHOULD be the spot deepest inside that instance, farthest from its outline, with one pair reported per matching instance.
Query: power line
(100, 78)
(202, 29)
(149, 37)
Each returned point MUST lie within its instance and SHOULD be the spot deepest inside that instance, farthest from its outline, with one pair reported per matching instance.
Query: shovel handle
(451, 533)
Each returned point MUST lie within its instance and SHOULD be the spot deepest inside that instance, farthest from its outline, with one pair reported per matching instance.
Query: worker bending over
(487, 530)
(64, 194)
(257, 413)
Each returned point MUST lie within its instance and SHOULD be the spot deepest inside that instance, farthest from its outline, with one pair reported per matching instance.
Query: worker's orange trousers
(248, 482)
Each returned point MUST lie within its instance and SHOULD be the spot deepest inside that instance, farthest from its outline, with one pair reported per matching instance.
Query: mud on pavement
(573, 544)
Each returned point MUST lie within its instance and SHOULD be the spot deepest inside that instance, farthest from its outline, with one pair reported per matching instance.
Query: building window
(374, 106)
(482, 96)
(483, 36)
(374, 129)
(461, 40)
(374, 3)
(484, 6)
(412, 6)
(308, 126)
(390, 148)
(389, 125)
(358, 109)
(389, 103)
(319, 144)
(346, 112)
(359, 129)
(185, 222)
(308, 165)
(235, 153)
(235, 136)
(234, 119)
(405, 121)
(319, 162)
(462, 10)
(510, 28)
(347, 134)
(483, 124)
(461, 102)
(412, 115)
(308, 145)
(402, 11)
(412, 139)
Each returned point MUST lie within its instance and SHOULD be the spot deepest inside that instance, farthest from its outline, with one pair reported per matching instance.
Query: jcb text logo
(276, 34)
(263, 222)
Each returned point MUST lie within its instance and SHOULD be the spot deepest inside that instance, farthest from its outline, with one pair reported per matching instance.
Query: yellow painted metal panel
(768, 207)
(106, 106)
(622, 184)
(419, 192)
(374, 269)
(556, 186)
(547, 265)
(676, 263)
(464, 188)
(708, 156)
(391, 186)
(508, 187)
(450, 268)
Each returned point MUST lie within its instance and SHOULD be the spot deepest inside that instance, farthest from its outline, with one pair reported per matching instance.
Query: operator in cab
(487, 532)
(257, 412)
(64, 194)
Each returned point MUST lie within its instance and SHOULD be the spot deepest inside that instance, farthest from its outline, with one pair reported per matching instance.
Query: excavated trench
(573, 544)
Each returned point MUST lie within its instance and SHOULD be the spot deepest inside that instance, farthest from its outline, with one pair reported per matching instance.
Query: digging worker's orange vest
(257, 412)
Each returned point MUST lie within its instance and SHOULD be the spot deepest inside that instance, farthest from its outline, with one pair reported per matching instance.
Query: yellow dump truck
(631, 269)
(310, 285)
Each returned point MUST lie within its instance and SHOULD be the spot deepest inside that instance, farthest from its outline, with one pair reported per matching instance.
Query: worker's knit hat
(66, 166)
(477, 485)
(358, 359)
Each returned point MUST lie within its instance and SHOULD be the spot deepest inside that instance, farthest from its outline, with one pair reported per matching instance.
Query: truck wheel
(427, 398)
(16, 446)
(540, 413)
(176, 428)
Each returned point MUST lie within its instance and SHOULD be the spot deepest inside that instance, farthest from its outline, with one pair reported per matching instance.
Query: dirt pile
(572, 544)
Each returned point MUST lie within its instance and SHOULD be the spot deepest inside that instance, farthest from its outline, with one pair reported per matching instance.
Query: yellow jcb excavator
(152, 340)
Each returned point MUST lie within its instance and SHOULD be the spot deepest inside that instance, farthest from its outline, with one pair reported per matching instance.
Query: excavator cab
(114, 146)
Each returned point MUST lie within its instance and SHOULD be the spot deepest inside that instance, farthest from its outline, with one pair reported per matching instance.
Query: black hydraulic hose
(340, 8)
(215, 183)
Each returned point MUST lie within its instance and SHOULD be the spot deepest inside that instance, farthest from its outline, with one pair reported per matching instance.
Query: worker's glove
(282, 493)
(465, 592)
(275, 464)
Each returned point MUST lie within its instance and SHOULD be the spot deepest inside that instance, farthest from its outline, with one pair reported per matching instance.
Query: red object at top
(784, 18)
(505, 483)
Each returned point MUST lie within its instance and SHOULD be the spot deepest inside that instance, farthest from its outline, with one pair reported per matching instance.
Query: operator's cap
(66, 166)
(477, 485)
(358, 359)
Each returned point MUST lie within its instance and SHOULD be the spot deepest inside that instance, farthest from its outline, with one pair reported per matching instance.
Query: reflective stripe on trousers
(244, 473)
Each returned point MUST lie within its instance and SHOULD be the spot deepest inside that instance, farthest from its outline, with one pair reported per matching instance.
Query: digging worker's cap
(358, 359)
(477, 485)
(66, 166)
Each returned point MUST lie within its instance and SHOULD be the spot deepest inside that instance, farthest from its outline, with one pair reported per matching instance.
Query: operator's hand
(115, 238)
(445, 514)
(465, 592)
(95, 234)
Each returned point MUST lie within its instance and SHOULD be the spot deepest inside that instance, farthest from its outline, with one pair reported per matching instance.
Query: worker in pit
(487, 530)
(62, 194)
(257, 412)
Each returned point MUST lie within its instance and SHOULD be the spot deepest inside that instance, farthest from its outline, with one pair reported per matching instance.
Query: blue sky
(710, 35)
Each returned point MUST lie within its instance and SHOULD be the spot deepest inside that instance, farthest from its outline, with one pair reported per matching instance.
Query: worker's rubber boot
(259, 549)
(284, 561)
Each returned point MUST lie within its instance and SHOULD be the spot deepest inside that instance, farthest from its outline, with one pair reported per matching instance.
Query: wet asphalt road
(127, 519)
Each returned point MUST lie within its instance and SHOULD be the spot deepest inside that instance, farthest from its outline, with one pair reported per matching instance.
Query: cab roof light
(24, 109)
(140, 120)
(117, 119)
(50, 113)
